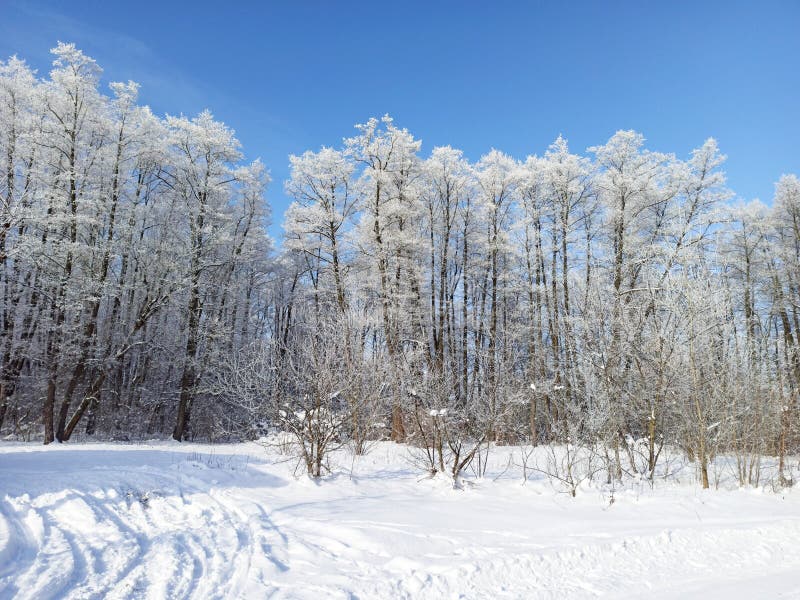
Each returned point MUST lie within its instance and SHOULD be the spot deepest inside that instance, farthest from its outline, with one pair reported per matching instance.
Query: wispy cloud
(30, 30)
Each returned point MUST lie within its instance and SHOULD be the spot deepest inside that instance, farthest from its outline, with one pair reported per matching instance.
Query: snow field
(165, 520)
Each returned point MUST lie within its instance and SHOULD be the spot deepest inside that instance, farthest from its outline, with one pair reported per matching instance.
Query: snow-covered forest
(619, 300)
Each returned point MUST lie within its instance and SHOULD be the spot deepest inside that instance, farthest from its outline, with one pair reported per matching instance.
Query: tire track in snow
(184, 539)
(193, 543)
(19, 549)
(53, 569)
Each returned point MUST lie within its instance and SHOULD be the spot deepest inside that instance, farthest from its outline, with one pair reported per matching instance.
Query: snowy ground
(188, 521)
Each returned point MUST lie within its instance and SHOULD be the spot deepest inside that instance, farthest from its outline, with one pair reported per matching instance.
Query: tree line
(622, 297)
(132, 251)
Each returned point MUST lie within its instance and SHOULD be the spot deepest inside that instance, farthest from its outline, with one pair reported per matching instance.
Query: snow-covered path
(173, 521)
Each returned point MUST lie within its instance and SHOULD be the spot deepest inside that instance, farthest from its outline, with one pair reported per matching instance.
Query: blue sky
(290, 76)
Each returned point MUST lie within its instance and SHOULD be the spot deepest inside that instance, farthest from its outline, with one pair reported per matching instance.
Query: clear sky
(294, 75)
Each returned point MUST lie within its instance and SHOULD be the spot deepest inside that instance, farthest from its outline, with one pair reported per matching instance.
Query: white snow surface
(166, 520)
